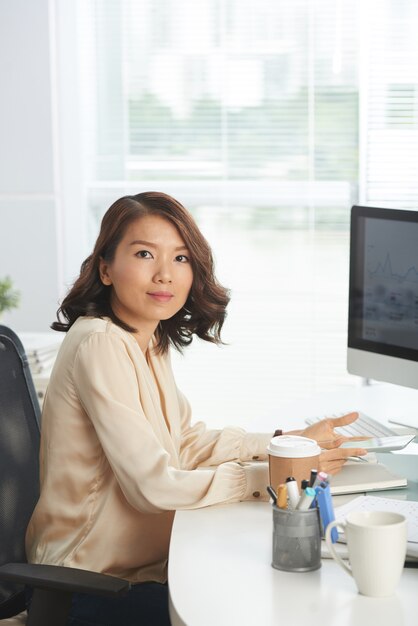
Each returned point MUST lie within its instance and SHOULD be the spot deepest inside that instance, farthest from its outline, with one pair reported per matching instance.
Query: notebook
(408, 508)
(360, 476)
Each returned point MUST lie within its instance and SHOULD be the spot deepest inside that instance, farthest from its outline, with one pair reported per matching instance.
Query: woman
(118, 451)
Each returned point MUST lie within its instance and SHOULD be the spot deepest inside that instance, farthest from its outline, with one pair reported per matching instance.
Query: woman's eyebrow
(143, 243)
(153, 245)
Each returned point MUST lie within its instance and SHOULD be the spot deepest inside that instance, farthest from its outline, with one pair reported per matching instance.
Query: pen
(306, 499)
(312, 477)
(293, 492)
(282, 497)
(272, 494)
(320, 477)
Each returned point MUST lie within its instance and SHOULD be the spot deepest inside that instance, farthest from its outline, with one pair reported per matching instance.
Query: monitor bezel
(355, 339)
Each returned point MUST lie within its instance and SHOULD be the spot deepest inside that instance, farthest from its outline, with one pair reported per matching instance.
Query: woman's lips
(161, 296)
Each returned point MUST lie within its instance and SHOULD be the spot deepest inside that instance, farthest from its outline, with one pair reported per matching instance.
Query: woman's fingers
(329, 444)
(332, 461)
(332, 468)
(332, 443)
(343, 453)
(325, 434)
(349, 418)
(342, 439)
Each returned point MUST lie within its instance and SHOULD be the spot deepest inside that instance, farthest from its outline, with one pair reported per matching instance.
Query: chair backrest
(19, 460)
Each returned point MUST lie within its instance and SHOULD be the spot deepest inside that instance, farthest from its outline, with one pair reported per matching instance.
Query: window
(389, 88)
(254, 115)
(230, 104)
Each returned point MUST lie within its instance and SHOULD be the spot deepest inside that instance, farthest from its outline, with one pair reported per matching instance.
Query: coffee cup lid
(293, 447)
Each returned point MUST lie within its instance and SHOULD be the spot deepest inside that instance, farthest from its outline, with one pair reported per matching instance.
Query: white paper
(408, 508)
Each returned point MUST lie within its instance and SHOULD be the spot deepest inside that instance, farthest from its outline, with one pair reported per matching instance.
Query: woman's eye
(182, 258)
(144, 254)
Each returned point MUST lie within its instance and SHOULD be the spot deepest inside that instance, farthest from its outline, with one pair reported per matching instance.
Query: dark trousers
(146, 604)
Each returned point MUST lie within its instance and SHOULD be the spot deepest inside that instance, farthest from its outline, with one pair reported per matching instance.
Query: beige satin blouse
(119, 455)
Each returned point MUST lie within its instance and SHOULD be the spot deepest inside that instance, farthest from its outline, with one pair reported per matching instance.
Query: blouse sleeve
(202, 447)
(107, 386)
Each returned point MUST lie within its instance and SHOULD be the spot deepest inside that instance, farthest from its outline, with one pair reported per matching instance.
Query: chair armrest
(63, 578)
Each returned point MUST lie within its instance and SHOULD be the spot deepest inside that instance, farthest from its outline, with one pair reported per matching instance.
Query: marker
(306, 499)
(326, 510)
(304, 484)
(272, 494)
(282, 497)
(320, 477)
(293, 492)
(312, 477)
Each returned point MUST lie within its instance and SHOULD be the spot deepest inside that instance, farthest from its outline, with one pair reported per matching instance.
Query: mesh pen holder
(296, 540)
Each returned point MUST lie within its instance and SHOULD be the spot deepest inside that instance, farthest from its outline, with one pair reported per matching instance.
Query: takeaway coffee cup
(292, 455)
(376, 542)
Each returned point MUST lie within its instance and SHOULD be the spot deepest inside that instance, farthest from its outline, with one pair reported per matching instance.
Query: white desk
(220, 574)
(219, 564)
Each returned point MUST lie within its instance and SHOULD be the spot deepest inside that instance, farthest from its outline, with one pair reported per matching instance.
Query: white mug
(376, 542)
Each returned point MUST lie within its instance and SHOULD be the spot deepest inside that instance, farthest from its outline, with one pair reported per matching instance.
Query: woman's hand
(332, 461)
(323, 432)
(333, 458)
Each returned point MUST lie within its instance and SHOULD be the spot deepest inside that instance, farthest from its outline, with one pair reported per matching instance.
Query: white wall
(28, 201)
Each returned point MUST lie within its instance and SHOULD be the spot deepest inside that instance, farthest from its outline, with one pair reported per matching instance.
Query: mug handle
(331, 548)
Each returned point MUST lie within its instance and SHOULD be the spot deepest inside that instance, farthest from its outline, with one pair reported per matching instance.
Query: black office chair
(19, 490)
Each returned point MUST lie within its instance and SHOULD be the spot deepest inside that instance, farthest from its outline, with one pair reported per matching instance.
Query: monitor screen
(383, 307)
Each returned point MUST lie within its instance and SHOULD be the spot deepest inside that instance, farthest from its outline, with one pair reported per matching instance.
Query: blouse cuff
(254, 446)
(257, 479)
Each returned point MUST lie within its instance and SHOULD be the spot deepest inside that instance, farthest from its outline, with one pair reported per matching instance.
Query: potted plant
(9, 297)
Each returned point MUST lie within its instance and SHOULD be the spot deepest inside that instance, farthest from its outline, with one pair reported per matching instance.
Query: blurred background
(267, 120)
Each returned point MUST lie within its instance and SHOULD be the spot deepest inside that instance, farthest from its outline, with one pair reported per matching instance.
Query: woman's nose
(163, 275)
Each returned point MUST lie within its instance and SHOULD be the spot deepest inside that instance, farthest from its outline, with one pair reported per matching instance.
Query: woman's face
(151, 273)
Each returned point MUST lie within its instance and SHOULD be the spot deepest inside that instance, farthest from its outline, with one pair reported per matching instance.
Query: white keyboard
(364, 426)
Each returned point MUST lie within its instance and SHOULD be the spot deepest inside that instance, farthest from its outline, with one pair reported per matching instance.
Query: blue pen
(326, 510)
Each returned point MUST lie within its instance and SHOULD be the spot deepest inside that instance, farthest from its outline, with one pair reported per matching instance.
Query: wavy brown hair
(204, 311)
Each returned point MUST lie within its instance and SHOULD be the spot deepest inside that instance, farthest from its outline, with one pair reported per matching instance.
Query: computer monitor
(383, 301)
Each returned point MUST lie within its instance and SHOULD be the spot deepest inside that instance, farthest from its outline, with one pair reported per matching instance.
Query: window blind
(224, 103)
(247, 112)
(253, 113)
(389, 91)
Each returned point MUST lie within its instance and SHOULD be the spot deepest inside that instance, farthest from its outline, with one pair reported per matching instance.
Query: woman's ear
(104, 272)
